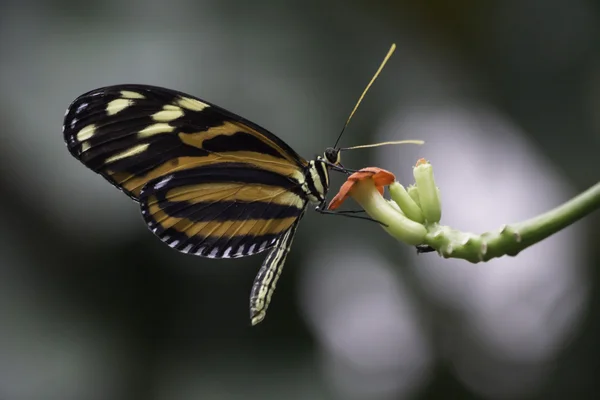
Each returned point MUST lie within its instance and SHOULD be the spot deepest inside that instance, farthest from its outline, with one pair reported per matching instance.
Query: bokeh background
(505, 93)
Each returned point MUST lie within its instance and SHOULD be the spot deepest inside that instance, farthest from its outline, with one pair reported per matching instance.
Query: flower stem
(394, 222)
(512, 239)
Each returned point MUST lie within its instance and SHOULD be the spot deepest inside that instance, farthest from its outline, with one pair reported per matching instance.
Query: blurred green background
(506, 95)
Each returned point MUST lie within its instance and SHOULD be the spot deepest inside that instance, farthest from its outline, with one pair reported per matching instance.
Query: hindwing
(222, 210)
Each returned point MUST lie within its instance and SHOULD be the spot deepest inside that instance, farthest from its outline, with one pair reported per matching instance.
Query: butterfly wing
(132, 134)
(222, 210)
(208, 181)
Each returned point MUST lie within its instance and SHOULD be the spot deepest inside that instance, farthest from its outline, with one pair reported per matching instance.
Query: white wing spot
(117, 105)
(192, 104)
(226, 252)
(131, 95)
(240, 250)
(174, 243)
(73, 122)
(187, 248)
(155, 129)
(81, 107)
(140, 148)
(251, 249)
(214, 252)
(200, 250)
(168, 113)
(163, 182)
(86, 133)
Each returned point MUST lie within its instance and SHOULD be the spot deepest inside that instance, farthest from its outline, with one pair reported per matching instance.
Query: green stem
(511, 239)
(417, 222)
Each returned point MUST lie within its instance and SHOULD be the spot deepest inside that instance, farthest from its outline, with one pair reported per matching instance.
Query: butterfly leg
(424, 248)
(339, 168)
(347, 170)
(321, 208)
(349, 211)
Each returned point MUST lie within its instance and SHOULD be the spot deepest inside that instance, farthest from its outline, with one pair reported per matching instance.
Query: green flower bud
(395, 206)
(410, 208)
(413, 192)
(428, 192)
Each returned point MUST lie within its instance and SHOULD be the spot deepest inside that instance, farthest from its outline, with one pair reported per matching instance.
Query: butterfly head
(332, 155)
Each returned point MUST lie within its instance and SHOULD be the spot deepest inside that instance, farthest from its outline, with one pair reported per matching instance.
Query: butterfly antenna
(387, 57)
(365, 146)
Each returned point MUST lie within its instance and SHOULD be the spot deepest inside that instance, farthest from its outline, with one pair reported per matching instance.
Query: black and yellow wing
(221, 210)
(208, 181)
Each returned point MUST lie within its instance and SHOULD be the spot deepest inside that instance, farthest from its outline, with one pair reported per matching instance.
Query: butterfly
(208, 182)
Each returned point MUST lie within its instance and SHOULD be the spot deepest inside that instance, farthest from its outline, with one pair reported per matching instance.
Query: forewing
(223, 210)
(132, 134)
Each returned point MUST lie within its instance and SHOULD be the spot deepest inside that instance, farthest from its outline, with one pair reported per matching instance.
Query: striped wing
(222, 210)
(133, 134)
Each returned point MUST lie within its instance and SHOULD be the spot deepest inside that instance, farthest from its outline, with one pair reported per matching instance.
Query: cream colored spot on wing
(118, 105)
(192, 104)
(155, 129)
(127, 94)
(86, 132)
(85, 146)
(168, 113)
(140, 148)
